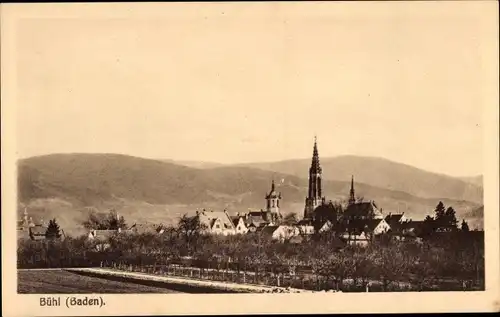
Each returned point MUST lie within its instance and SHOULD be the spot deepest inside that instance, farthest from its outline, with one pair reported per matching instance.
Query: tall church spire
(352, 199)
(314, 198)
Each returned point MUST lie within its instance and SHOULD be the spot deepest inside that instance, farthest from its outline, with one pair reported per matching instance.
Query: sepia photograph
(321, 150)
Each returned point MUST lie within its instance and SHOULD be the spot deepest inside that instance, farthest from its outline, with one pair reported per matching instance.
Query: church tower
(273, 204)
(314, 198)
(352, 199)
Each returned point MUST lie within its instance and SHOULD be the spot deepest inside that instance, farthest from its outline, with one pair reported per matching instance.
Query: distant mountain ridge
(194, 164)
(383, 173)
(475, 180)
(146, 190)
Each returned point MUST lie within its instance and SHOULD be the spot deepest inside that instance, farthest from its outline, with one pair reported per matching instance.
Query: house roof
(411, 224)
(257, 218)
(364, 209)
(236, 220)
(209, 217)
(38, 230)
(269, 229)
(326, 210)
(394, 220)
(393, 217)
(360, 225)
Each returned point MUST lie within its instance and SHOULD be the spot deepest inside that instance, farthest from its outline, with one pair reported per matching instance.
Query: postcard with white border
(249, 157)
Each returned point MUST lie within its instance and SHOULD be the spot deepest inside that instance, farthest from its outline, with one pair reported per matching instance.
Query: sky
(231, 84)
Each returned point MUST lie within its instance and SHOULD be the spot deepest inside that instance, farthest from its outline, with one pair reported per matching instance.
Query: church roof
(364, 209)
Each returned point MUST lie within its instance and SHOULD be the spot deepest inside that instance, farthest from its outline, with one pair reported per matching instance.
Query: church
(356, 219)
(317, 210)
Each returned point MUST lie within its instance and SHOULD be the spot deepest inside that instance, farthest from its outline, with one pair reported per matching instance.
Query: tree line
(447, 256)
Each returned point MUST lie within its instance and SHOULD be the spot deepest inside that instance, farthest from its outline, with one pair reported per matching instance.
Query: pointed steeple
(314, 197)
(315, 166)
(272, 186)
(352, 199)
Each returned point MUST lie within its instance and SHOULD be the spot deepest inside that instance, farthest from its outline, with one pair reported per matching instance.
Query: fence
(306, 282)
(241, 277)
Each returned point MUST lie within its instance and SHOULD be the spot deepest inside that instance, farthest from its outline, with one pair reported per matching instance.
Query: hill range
(67, 186)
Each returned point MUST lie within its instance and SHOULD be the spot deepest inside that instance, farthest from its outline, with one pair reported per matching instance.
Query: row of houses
(355, 227)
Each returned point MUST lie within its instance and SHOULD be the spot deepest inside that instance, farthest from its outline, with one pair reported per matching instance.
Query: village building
(396, 220)
(240, 225)
(146, 228)
(281, 233)
(363, 231)
(216, 222)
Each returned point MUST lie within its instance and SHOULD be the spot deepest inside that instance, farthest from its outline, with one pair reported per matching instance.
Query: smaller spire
(352, 199)
(272, 186)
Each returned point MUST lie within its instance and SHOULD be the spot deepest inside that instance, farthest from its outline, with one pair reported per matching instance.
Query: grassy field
(59, 281)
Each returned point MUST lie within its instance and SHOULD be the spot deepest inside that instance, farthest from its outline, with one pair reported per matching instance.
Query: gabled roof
(255, 213)
(360, 225)
(394, 220)
(364, 209)
(38, 230)
(269, 229)
(257, 218)
(236, 220)
(209, 217)
(393, 217)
